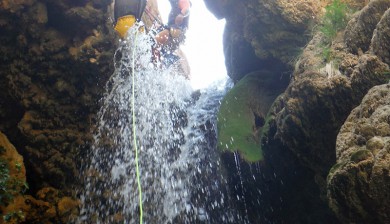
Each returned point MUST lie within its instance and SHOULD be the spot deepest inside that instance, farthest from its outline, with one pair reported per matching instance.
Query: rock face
(56, 56)
(329, 79)
(331, 89)
(49, 205)
(263, 34)
(358, 185)
(359, 30)
(380, 40)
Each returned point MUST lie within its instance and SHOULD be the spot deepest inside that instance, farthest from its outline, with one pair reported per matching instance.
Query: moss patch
(360, 155)
(236, 120)
(334, 20)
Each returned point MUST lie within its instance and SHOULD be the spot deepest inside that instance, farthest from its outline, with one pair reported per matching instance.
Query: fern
(334, 20)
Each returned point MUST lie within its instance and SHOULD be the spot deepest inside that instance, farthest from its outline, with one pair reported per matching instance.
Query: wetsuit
(129, 7)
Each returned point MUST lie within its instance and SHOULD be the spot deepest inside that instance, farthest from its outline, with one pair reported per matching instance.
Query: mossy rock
(361, 155)
(242, 113)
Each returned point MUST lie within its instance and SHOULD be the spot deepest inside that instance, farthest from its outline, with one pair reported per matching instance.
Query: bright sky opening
(203, 46)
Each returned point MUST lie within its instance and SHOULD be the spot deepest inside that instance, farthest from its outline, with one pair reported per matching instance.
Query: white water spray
(179, 166)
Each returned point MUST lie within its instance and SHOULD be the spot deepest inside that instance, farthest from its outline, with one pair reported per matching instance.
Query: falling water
(181, 175)
(238, 167)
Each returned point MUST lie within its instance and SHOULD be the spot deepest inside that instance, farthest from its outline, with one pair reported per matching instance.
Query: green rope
(134, 135)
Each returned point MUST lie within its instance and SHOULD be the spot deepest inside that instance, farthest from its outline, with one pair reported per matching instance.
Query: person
(170, 36)
(174, 33)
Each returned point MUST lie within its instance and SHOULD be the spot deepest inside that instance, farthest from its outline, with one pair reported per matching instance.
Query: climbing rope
(134, 134)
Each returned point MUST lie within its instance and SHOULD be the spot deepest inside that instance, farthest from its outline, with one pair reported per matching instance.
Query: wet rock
(358, 185)
(278, 189)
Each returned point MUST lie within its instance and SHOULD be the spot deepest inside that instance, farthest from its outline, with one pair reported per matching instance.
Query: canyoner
(167, 38)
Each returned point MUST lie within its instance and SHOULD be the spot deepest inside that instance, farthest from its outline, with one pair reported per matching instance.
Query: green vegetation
(2, 150)
(5, 194)
(334, 20)
(360, 155)
(327, 53)
(9, 187)
(236, 121)
(387, 75)
(17, 216)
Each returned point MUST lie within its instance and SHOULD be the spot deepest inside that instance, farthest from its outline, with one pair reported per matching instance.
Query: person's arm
(184, 6)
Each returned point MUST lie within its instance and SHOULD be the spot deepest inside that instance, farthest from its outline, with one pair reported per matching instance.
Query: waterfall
(181, 175)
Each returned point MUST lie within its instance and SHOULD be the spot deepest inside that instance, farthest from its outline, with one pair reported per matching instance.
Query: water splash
(181, 175)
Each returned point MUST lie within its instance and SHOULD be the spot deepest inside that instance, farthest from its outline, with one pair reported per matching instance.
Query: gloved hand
(179, 19)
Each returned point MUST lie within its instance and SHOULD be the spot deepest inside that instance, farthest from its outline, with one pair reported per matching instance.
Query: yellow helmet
(123, 24)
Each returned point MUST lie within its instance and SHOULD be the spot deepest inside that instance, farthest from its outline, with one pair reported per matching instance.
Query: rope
(134, 134)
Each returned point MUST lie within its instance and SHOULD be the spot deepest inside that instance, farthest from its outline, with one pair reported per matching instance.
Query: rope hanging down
(134, 134)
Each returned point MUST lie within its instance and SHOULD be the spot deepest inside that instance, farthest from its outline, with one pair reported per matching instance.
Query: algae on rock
(243, 111)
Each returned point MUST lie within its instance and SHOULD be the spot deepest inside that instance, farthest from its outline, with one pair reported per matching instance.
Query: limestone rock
(356, 4)
(333, 88)
(359, 184)
(370, 71)
(380, 45)
(56, 58)
(12, 172)
(360, 29)
(268, 33)
(308, 117)
(49, 206)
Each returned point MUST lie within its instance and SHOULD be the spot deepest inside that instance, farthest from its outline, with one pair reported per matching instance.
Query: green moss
(10, 185)
(2, 150)
(5, 194)
(14, 217)
(386, 75)
(327, 53)
(335, 167)
(236, 121)
(360, 155)
(265, 129)
(334, 20)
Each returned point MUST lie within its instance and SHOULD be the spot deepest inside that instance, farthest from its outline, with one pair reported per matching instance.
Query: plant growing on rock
(334, 20)
(5, 195)
(11, 185)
